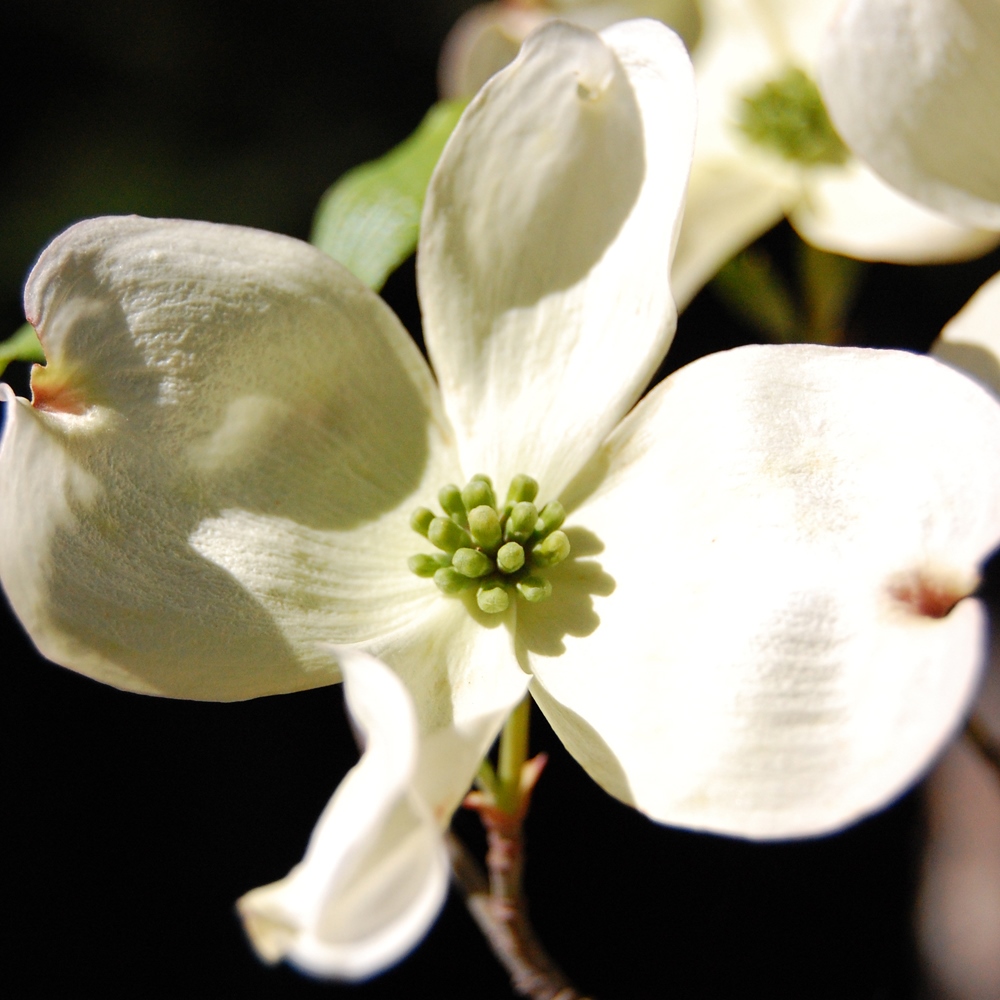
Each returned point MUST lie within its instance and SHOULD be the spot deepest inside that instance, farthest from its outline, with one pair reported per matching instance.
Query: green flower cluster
(787, 116)
(497, 550)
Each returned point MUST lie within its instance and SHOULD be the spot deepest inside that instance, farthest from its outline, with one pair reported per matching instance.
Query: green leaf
(369, 220)
(23, 346)
(753, 289)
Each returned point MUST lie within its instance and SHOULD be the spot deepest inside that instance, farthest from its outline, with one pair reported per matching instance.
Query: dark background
(132, 823)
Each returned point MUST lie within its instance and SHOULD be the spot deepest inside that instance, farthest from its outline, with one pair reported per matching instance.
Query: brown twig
(498, 904)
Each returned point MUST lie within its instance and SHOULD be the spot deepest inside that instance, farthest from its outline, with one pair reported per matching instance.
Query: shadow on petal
(519, 243)
(972, 360)
(586, 482)
(542, 627)
(175, 623)
(94, 354)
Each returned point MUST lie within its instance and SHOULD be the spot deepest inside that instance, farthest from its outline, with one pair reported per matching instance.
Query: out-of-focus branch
(982, 739)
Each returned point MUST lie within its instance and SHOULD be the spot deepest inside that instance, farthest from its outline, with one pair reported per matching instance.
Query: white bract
(375, 872)
(763, 628)
(934, 131)
(914, 88)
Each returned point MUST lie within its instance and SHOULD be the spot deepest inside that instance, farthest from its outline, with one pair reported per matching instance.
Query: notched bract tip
(596, 65)
(272, 936)
(930, 593)
(589, 90)
(56, 392)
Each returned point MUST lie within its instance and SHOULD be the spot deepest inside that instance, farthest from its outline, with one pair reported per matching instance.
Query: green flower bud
(446, 535)
(523, 489)
(492, 597)
(551, 517)
(450, 581)
(490, 549)
(485, 527)
(521, 522)
(450, 498)
(472, 563)
(551, 550)
(510, 558)
(478, 492)
(420, 520)
(427, 565)
(534, 589)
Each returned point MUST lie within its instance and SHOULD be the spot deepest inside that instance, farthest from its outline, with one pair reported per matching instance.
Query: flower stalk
(496, 898)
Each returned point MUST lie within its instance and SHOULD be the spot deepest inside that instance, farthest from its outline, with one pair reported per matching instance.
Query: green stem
(512, 756)
(486, 778)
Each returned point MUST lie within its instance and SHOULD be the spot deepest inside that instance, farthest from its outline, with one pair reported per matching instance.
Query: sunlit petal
(374, 875)
(788, 537)
(730, 203)
(545, 249)
(487, 37)
(482, 41)
(743, 46)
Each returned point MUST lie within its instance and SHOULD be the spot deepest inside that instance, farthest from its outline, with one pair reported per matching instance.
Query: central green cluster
(496, 550)
(787, 116)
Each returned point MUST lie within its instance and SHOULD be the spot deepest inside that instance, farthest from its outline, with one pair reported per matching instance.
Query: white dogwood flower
(766, 149)
(744, 605)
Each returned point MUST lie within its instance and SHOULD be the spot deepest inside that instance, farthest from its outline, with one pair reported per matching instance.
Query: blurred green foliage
(23, 346)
